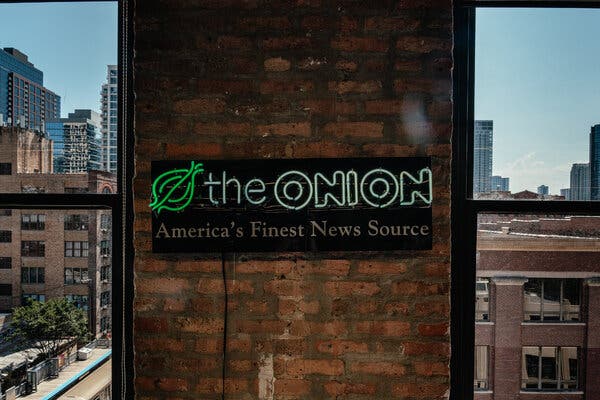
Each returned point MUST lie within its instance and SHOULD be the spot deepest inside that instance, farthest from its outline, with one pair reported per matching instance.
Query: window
(105, 248)
(481, 368)
(33, 222)
(5, 289)
(33, 248)
(482, 299)
(104, 324)
(105, 273)
(76, 249)
(524, 217)
(105, 222)
(550, 368)
(5, 168)
(29, 297)
(32, 275)
(80, 301)
(76, 276)
(5, 236)
(104, 299)
(76, 222)
(5, 262)
(551, 300)
(5, 212)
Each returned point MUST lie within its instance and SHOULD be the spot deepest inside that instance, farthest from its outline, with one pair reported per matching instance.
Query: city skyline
(83, 32)
(542, 105)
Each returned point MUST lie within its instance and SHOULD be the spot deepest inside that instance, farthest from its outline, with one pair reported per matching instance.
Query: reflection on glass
(531, 367)
(482, 299)
(481, 368)
(551, 299)
(550, 368)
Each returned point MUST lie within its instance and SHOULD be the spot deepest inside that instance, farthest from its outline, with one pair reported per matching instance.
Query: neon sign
(174, 190)
(292, 205)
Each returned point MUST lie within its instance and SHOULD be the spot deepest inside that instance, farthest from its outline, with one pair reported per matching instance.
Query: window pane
(542, 276)
(481, 367)
(50, 106)
(532, 140)
(482, 299)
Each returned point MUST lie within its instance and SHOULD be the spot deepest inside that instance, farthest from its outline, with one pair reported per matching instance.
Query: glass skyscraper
(482, 156)
(109, 120)
(24, 101)
(76, 142)
(595, 162)
(500, 184)
(580, 182)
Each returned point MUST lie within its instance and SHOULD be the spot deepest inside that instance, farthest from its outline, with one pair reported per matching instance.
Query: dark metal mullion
(535, 206)
(462, 216)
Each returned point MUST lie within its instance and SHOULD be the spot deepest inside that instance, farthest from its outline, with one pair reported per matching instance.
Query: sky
(71, 43)
(537, 76)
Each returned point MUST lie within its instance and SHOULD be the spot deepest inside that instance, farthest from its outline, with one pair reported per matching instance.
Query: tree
(48, 326)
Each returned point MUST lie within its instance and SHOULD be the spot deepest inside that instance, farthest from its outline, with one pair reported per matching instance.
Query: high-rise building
(543, 190)
(566, 193)
(109, 120)
(500, 184)
(76, 142)
(24, 101)
(595, 162)
(580, 182)
(482, 156)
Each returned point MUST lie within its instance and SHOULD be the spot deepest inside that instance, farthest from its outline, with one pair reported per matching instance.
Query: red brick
(289, 307)
(338, 347)
(437, 269)
(343, 388)
(234, 42)
(378, 368)
(346, 65)
(276, 64)
(423, 44)
(222, 129)
(256, 306)
(159, 344)
(321, 367)
(328, 107)
(439, 308)
(151, 325)
(433, 329)
(151, 265)
(214, 385)
(407, 288)
(164, 383)
(261, 327)
(383, 328)
(354, 129)
(285, 86)
(285, 287)
(426, 348)
(282, 43)
(342, 289)
(389, 150)
(276, 267)
(215, 286)
(381, 267)
(322, 267)
(431, 368)
(175, 150)
(199, 106)
(393, 107)
(224, 86)
(423, 85)
(174, 305)
(311, 63)
(198, 266)
(292, 387)
(396, 308)
(386, 24)
(290, 129)
(419, 390)
(345, 87)
(408, 65)
(199, 325)
(362, 44)
(308, 328)
(162, 285)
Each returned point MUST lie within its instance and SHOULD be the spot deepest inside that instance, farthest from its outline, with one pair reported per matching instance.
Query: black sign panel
(291, 205)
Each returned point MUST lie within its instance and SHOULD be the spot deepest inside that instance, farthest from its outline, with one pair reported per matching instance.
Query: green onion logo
(173, 190)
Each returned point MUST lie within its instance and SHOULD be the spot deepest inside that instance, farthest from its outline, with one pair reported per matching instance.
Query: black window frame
(465, 209)
(120, 205)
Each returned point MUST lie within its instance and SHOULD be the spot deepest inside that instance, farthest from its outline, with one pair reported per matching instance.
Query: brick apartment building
(53, 253)
(537, 308)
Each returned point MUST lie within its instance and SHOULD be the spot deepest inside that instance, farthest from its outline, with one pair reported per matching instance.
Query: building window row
(76, 275)
(544, 300)
(104, 299)
(76, 222)
(105, 248)
(76, 249)
(33, 248)
(5, 169)
(33, 222)
(79, 301)
(5, 236)
(106, 273)
(5, 262)
(33, 275)
(29, 297)
(550, 368)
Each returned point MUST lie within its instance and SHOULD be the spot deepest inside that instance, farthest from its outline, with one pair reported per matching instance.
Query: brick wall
(293, 79)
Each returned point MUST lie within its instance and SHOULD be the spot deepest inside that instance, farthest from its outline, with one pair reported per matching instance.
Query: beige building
(53, 253)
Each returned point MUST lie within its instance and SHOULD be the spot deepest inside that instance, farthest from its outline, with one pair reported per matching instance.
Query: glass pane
(56, 128)
(38, 268)
(531, 365)
(542, 275)
(481, 367)
(532, 139)
(482, 299)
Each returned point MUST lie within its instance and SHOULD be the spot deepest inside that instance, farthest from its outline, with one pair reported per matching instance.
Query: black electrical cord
(225, 312)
